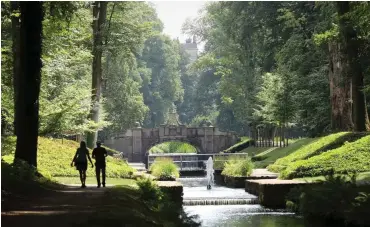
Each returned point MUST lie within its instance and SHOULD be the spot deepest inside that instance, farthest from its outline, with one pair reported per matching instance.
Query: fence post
(180, 162)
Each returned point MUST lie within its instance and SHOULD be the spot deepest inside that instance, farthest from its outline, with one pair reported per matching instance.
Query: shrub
(350, 158)
(315, 148)
(54, 156)
(164, 169)
(238, 167)
(165, 207)
(149, 191)
(173, 147)
(219, 161)
(335, 199)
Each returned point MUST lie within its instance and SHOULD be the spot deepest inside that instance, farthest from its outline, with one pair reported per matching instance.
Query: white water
(219, 206)
(210, 173)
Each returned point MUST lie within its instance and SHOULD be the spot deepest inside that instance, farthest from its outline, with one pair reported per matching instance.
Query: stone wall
(136, 142)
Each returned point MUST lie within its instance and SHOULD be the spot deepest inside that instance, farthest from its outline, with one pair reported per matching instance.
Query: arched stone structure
(137, 141)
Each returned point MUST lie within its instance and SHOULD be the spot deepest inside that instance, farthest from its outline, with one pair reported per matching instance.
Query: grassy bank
(352, 157)
(314, 148)
(54, 158)
(269, 158)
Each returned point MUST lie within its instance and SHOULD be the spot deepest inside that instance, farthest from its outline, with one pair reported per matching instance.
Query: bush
(336, 199)
(164, 169)
(238, 167)
(173, 147)
(165, 207)
(54, 156)
(149, 191)
(315, 148)
(219, 161)
(350, 158)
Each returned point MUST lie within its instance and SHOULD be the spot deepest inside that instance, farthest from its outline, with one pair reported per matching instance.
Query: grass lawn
(315, 148)
(252, 151)
(349, 158)
(54, 158)
(279, 152)
(92, 180)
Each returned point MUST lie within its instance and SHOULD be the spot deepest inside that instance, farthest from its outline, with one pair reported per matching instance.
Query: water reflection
(244, 215)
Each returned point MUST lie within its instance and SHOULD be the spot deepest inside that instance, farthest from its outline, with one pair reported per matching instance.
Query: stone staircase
(139, 166)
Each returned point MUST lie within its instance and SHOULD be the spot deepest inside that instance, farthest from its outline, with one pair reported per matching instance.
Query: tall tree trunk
(28, 83)
(16, 63)
(99, 17)
(350, 51)
(340, 89)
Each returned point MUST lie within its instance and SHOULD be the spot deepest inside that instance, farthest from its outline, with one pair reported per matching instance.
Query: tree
(28, 83)
(352, 67)
(99, 17)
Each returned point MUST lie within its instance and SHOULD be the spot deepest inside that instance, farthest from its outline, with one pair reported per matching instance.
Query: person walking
(99, 153)
(80, 161)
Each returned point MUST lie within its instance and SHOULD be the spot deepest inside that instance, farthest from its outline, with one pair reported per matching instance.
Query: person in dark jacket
(99, 153)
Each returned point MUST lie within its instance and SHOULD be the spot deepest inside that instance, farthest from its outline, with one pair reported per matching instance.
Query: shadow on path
(69, 206)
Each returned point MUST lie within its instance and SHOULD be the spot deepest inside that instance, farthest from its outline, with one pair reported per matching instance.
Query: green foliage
(149, 191)
(238, 167)
(21, 178)
(173, 147)
(220, 161)
(164, 169)
(160, 202)
(162, 88)
(124, 101)
(55, 156)
(336, 199)
(321, 145)
(8, 144)
(352, 157)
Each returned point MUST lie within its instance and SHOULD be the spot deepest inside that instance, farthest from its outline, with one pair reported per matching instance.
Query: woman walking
(80, 161)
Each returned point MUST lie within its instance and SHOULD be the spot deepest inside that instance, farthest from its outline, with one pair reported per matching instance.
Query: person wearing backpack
(80, 161)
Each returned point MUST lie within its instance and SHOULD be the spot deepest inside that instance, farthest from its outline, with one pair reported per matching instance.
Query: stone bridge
(136, 142)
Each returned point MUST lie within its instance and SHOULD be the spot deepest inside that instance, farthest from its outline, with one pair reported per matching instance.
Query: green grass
(219, 161)
(317, 147)
(280, 152)
(54, 158)
(252, 151)
(92, 180)
(238, 167)
(173, 147)
(350, 158)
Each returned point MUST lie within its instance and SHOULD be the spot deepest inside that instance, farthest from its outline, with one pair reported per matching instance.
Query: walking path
(77, 207)
(70, 206)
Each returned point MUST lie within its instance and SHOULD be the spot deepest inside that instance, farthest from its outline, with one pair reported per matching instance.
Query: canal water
(235, 207)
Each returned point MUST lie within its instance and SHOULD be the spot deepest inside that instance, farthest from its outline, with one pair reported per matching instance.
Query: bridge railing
(194, 162)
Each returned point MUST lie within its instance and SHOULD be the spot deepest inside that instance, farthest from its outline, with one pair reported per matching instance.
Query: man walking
(99, 153)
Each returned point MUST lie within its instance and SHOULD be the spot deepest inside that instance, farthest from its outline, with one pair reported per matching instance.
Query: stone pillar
(208, 139)
(136, 145)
